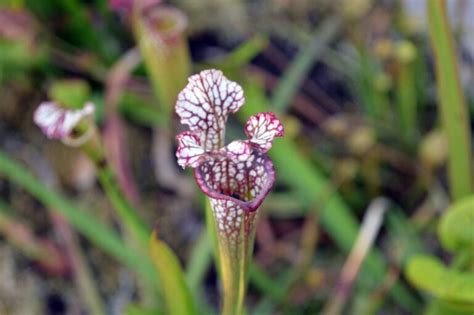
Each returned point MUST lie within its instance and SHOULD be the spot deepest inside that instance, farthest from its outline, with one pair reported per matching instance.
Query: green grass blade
(129, 217)
(199, 261)
(309, 186)
(175, 290)
(87, 224)
(239, 57)
(300, 66)
(276, 290)
(373, 101)
(451, 101)
(406, 90)
(134, 108)
(212, 233)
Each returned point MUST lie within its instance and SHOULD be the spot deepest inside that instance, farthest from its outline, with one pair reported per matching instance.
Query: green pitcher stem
(133, 224)
(234, 259)
(234, 267)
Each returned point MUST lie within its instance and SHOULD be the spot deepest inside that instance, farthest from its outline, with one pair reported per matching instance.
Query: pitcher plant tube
(236, 177)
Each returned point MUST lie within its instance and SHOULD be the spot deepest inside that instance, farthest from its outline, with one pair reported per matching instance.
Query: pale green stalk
(232, 260)
(451, 101)
(234, 265)
(406, 90)
(129, 217)
(407, 101)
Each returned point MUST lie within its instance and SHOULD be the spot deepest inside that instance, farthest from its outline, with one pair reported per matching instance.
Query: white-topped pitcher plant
(236, 177)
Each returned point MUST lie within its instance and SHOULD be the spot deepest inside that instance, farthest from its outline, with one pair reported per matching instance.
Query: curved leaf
(451, 286)
(441, 308)
(456, 228)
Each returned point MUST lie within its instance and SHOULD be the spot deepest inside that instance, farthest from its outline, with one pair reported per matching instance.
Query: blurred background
(354, 84)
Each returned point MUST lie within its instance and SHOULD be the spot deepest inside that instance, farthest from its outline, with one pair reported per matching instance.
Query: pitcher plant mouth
(72, 126)
(166, 22)
(240, 172)
(245, 183)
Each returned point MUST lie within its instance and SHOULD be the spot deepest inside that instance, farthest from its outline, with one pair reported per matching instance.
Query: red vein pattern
(236, 189)
(262, 129)
(238, 150)
(189, 150)
(57, 122)
(236, 177)
(206, 102)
